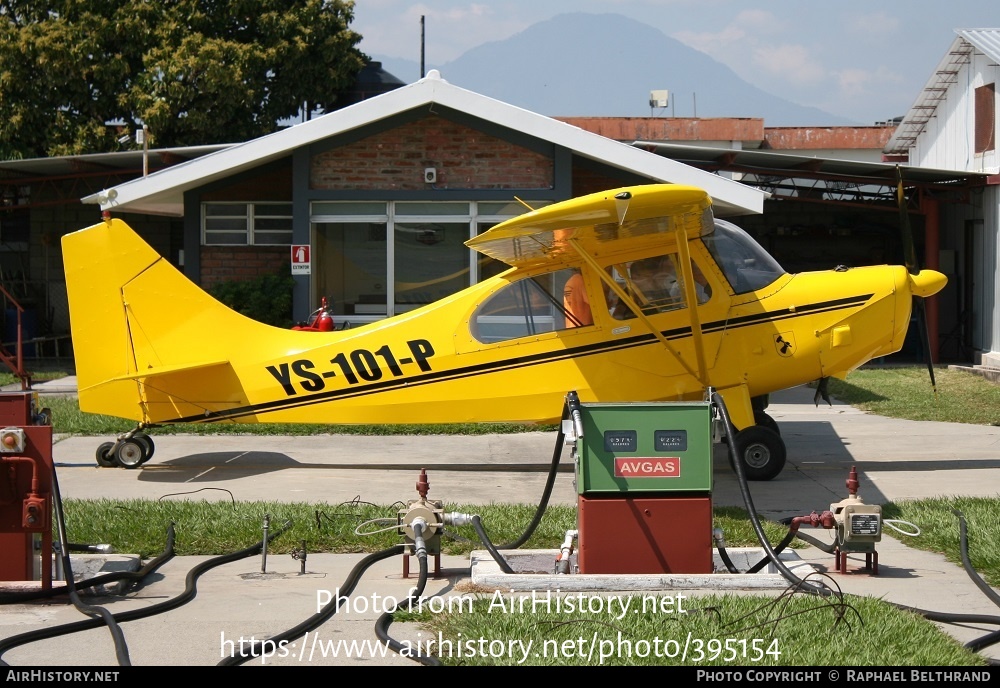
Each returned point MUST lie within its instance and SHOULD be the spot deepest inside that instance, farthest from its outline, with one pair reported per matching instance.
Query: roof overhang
(163, 192)
(125, 162)
(783, 165)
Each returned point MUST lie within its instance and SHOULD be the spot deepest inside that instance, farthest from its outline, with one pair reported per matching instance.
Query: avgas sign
(648, 467)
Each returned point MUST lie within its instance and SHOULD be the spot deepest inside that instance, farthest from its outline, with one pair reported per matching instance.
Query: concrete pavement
(896, 460)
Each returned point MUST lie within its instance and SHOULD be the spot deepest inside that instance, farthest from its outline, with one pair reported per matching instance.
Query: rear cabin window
(533, 306)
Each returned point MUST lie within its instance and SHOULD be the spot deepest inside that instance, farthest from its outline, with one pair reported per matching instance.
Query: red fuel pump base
(666, 533)
(25, 492)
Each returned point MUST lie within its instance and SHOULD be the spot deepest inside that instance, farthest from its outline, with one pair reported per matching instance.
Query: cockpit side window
(534, 305)
(746, 265)
(655, 284)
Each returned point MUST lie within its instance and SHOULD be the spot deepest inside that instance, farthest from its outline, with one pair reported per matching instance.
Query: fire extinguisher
(323, 321)
(320, 321)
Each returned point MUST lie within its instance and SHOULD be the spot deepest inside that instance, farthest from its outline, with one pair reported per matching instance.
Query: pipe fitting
(419, 544)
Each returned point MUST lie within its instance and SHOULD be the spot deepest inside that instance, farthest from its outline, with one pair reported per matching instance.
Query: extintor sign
(300, 259)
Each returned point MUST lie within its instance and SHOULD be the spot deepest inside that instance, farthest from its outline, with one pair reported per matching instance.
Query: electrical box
(859, 525)
(659, 98)
(650, 447)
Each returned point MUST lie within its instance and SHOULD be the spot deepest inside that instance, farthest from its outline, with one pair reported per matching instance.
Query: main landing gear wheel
(148, 446)
(105, 457)
(762, 452)
(131, 453)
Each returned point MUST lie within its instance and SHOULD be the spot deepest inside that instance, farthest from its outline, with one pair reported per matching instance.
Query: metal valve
(859, 526)
(429, 514)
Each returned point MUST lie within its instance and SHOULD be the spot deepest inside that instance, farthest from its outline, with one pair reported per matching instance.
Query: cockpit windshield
(745, 263)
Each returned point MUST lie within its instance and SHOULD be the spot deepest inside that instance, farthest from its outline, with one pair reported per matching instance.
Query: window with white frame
(372, 259)
(246, 224)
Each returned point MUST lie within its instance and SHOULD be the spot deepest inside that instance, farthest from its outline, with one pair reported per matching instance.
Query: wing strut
(684, 253)
(606, 278)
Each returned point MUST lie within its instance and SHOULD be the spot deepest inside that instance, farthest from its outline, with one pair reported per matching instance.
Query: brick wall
(224, 263)
(464, 158)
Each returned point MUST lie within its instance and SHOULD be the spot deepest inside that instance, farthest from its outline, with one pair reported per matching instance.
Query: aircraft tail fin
(139, 325)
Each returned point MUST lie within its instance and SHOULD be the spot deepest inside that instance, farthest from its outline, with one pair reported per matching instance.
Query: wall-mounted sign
(301, 264)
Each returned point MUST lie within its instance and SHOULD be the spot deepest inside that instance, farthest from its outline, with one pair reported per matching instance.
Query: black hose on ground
(720, 547)
(93, 611)
(488, 544)
(828, 547)
(549, 481)
(801, 585)
(752, 511)
(967, 563)
(134, 577)
(190, 591)
(785, 541)
(256, 648)
(988, 640)
(387, 617)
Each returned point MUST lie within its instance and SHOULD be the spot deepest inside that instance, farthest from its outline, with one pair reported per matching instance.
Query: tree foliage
(194, 71)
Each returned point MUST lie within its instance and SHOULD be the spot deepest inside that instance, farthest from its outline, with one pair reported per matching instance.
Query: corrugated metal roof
(986, 41)
(788, 165)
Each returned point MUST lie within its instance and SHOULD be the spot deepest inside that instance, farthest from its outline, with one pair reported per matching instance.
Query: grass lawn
(906, 392)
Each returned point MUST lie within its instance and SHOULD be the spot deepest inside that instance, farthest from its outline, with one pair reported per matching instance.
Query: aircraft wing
(600, 222)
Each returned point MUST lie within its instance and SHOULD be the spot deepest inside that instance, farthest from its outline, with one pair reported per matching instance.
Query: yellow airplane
(630, 295)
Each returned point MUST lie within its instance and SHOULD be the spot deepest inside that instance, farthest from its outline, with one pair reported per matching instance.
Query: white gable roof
(986, 41)
(162, 193)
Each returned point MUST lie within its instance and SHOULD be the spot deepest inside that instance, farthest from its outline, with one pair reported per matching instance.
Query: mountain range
(606, 65)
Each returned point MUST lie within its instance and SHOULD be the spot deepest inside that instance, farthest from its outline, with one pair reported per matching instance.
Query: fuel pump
(644, 486)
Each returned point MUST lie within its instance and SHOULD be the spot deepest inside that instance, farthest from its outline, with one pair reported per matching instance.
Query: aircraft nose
(927, 283)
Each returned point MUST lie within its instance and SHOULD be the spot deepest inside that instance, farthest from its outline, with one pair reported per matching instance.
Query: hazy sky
(863, 60)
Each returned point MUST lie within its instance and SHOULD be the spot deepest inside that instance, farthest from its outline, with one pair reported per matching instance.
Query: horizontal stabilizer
(158, 371)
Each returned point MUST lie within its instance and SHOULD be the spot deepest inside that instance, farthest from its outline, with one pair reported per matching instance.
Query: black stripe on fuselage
(524, 361)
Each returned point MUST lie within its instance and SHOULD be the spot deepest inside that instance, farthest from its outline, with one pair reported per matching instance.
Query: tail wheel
(105, 456)
(762, 452)
(130, 453)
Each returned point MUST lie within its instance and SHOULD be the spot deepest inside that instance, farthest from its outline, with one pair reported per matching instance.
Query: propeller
(822, 391)
(910, 260)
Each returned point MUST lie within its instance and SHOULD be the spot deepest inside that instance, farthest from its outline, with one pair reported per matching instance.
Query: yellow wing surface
(601, 223)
